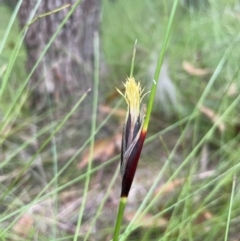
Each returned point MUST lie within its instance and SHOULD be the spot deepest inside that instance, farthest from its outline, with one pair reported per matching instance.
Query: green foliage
(18, 73)
(194, 155)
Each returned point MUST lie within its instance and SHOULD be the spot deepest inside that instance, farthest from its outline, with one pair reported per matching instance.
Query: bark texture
(67, 67)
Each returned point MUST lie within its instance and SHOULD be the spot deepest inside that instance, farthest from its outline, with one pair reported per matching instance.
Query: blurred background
(60, 141)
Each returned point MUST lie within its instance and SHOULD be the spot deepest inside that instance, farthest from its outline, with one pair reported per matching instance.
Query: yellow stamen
(133, 96)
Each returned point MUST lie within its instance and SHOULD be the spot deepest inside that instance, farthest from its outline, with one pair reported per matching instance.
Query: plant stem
(158, 67)
(230, 209)
(93, 129)
(133, 58)
(121, 207)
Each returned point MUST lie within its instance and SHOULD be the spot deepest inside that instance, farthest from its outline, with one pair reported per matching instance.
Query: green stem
(121, 207)
(133, 58)
(230, 209)
(159, 65)
(93, 129)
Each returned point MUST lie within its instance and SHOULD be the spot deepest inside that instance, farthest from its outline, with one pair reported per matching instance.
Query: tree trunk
(67, 67)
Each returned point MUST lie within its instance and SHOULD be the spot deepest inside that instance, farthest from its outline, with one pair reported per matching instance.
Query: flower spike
(133, 135)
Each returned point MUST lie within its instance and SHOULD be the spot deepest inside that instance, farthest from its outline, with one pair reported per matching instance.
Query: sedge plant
(136, 125)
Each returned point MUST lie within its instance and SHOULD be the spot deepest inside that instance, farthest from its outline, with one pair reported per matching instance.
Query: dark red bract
(131, 165)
